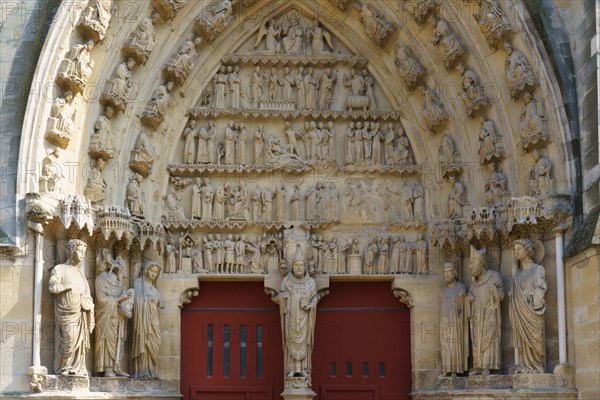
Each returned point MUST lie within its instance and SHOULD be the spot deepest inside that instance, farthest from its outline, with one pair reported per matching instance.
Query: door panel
(231, 344)
(363, 342)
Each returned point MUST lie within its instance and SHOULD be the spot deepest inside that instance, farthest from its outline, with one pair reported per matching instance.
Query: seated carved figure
(214, 21)
(95, 18)
(140, 42)
(76, 68)
(60, 123)
(532, 125)
(519, 73)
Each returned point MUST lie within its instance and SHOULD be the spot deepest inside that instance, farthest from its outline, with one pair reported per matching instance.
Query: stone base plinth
(298, 394)
(81, 387)
(505, 387)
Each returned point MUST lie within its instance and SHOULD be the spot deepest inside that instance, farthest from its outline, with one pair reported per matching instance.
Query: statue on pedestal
(298, 309)
(485, 295)
(528, 308)
(454, 312)
(146, 326)
(114, 307)
(73, 312)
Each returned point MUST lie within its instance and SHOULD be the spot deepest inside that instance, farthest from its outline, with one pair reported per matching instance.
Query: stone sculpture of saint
(189, 148)
(73, 312)
(298, 309)
(532, 127)
(146, 326)
(60, 122)
(101, 141)
(114, 305)
(140, 42)
(233, 87)
(95, 190)
(451, 48)
(171, 257)
(433, 109)
(485, 295)
(134, 200)
(77, 66)
(411, 69)
(519, 73)
(181, 64)
(528, 308)
(327, 81)
(541, 175)
(454, 339)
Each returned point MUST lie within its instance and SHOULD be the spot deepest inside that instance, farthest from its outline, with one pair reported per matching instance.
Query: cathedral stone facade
(325, 199)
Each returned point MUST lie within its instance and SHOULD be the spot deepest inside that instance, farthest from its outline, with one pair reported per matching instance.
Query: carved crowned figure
(73, 312)
(528, 308)
(485, 295)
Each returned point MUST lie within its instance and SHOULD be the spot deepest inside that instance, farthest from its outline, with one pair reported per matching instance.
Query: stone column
(560, 295)
(38, 231)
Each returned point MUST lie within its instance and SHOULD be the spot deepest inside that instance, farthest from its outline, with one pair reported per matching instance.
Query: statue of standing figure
(298, 309)
(73, 312)
(485, 295)
(454, 312)
(528, 308)
(114, 307)
(146, 326)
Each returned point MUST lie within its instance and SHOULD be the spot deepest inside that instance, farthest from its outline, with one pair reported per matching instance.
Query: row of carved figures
(77, 315)
(366, 143)
(476, 314)
(381, 255)
(233, 202)
(308, 90)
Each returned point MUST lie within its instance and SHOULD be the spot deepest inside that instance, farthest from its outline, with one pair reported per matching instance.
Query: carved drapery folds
(94, 20)
(450, 46)
(181, 63)
(533, 125)
(141, 42)
(76, 68)
(434, 110)
(409, 66)
(168, 9)
(119, 89)
(215, 19)
(493, 23)
(60, 127)
(518, 70)
(376, 26)
(156, 108)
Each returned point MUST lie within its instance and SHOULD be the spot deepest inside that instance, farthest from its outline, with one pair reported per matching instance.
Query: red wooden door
(231, 344)
(362, 349)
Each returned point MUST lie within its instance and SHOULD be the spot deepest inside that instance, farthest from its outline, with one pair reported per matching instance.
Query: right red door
(362, 349)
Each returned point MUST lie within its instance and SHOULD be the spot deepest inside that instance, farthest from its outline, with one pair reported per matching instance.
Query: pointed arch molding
(347, 29)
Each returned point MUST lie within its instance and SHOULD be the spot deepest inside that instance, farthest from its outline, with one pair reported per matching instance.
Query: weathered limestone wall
(583, 320)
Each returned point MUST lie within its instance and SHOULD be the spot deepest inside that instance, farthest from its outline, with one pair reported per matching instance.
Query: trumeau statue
(298, 305)
(528, 308)
(140, 42)
(533, 129)
(492, 22)
(490, 149)
(215, 19)
(519, 73)
(181, 63)
(95, 190)
(60, 125)
(114, 305)
(454, 317)
(146, 326)
(485, 295)
(473, 94)
(102, 140)
(76, 68)
(541, 175)
(450, 46)
(73, 312)
(94, 19)
(411, 69)
(376, 26)
(433, 109)
(119, 89)
(154, 113)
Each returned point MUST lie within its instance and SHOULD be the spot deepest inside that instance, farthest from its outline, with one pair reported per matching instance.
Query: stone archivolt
(406, 212)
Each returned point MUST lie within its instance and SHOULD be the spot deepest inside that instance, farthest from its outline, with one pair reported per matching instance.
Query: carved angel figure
(76, 68)
(272, 32)
(140, 42)
(519, 73)
(449, 43)
(318, 34)
(473, 94)
(411, 69)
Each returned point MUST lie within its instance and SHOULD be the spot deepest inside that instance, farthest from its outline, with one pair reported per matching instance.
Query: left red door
(231, 344)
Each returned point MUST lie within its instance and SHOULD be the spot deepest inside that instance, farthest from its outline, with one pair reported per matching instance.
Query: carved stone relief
(180, 64)
(168, 9)
(376, 26)
(102, 140)
(409, 66)
(450, 46)
(60, 127)
(493, 22)
(95, 18)
(76, 68)
(119, 89)
(154, 113)
(215, 19)
(533, 126)
(519, 73)
(141, 42)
